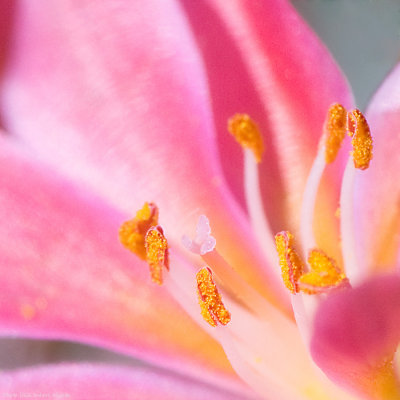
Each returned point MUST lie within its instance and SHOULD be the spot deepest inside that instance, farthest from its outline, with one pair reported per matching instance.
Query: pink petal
(263, 59)
(6, 18)
(356, 331)
(89, 381)
(113, 93)
(64, 275)
(377, 201)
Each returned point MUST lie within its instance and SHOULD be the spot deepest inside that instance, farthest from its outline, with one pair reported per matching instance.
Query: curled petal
(356, 333)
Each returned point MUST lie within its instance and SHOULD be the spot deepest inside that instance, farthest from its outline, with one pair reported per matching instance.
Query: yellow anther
(289, 260)
(156, 253)
(212, 308)
(335, 131)
(324, 274)
(358, 129)
(247, 134)
(133, 232)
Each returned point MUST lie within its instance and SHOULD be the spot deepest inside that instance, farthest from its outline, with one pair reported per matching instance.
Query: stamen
(362, 153)
(156, 253)
(323, 276)
(358, 129)
(247, 134)
(335, 131)
(133, 232)
(289, 261)
(212, 308)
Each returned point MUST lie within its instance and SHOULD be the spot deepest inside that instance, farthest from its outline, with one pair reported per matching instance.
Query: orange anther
(212, 308)
(358, 129)
(247, 134)
(289, 260)
(324, 274)
(335, 131)
(156, 253)
(133, 232)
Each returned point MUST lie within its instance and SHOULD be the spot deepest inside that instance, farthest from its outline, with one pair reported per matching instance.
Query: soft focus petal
(6, 18)
(114, 94)
(267, 62)
(90, 381)
(355, 336)
(64, 275)
(377, 195)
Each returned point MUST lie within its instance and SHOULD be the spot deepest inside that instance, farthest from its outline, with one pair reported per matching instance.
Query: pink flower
(107, 105)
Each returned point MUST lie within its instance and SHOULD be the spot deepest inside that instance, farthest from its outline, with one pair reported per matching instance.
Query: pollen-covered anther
(156, 253)
(335, 131)
(289, 261)
(324, 274)
(132, 233)
(212, 308)
(358, 129)
(247, 134)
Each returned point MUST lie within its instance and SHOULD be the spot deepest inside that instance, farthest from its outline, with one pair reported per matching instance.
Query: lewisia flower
(115, 106)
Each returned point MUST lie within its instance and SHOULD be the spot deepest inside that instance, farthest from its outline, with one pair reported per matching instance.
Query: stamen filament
(255, 208)
(233, 284)
(359, 159)
(331, 141)
(204, 245)
(351, 263)
(249, 374)
(247, 134)
(252, 359)
(308, 203)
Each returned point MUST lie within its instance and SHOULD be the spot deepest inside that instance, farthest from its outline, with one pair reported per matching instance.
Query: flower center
(258, 331)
